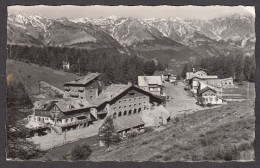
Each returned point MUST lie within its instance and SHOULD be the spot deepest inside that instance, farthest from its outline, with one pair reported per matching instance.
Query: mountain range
(169, 40)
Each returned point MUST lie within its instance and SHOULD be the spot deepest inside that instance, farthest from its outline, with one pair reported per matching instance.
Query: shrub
(81, 152)
(226, 153)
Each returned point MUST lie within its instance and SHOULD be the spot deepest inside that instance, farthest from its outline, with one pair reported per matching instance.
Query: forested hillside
(239, 67)
(116, 68)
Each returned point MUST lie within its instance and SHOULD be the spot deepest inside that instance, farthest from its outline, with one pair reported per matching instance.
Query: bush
(81, 152)
(226, 153)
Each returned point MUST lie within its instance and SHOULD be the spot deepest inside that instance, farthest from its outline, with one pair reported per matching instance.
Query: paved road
(51, 140)
(180, 101)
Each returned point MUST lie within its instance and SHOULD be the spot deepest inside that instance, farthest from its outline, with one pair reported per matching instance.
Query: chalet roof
(148, 80)
(45, 104)
(84, 80)
(114, 91)
(127, 122)
(205, 89)
(73, 104)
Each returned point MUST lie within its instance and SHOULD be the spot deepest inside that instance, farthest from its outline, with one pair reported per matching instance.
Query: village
(84, 106)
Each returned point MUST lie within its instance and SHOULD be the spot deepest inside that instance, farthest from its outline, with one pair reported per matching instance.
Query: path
(179, 99)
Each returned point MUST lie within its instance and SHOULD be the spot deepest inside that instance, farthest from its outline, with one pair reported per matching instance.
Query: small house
(152, 84)
(157, 116)
(208, 96)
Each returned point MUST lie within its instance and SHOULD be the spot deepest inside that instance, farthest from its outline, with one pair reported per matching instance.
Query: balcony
(71, 123)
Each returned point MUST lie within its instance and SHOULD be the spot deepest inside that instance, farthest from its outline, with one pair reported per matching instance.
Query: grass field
(31, 74)
(241, 91)
(225, 133)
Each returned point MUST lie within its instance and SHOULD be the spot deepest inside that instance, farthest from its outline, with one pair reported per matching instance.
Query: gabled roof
(114, 91)
(110, 93)
(206, 89)
(73, 104)
(84, 80)
(127, 122)
(148, 80)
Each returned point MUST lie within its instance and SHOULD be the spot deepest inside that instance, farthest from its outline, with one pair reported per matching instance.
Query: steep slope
(220, 134)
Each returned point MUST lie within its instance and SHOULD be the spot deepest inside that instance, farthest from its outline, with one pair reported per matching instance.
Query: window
(134, 111)
(130, 112)
(119, 101)
(66, 120)
(129, 99)
(139, 110)
(114, 108)
(130, 105)
(125, 113)
(119, 107)
(119, 114)
(71, 119)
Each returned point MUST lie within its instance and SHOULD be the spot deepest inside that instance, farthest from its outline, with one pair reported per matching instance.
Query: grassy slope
(30, 74)
(204, 135)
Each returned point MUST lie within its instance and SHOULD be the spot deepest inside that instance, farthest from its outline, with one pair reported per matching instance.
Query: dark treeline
(116, 68)
(239, 67)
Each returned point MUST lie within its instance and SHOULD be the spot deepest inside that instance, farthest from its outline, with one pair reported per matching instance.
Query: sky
(141, 12)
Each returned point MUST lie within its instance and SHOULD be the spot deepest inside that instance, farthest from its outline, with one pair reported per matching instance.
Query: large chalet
(83, 103)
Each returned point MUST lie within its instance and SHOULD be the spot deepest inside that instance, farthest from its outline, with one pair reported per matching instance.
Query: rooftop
(110, 93)
(205, 89)
(84, 80)
(126, 122)
(148, 80)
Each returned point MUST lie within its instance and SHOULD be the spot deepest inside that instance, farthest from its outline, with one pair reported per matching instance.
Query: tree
(108, 133)
(17, 146)
(149, 67)
(184, 70)
(81, 152)
(178, 77)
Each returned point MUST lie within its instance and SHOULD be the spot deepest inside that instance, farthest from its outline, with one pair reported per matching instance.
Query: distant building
(167, 75)
(194, 81)
(86, 87)
(209, 96)
(152, 84)
(196, 73)
(65, 65)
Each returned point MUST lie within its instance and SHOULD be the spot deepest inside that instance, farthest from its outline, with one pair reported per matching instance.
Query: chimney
(193, 69)
(129, 83)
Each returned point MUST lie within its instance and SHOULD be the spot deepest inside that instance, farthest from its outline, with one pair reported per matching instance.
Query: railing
(72, 123)
(74, 94)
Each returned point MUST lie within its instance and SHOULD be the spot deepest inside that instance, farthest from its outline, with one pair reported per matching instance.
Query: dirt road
(179, 99)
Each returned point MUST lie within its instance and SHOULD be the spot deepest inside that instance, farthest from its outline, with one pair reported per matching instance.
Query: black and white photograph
(130, 83)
